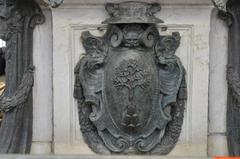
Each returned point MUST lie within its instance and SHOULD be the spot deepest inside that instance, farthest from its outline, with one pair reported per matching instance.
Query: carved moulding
(130, 86)
(18, 19)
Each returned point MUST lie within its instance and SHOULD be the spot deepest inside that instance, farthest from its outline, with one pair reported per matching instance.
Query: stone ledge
(92, 157)
(163, 2)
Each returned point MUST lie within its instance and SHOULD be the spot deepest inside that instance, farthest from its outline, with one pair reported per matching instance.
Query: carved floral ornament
(130, 85)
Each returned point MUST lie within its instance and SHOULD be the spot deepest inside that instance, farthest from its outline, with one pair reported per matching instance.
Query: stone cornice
(99, 2)
(163, 2)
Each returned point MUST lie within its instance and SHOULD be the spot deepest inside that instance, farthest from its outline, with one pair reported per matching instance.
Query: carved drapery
(18, 19)
(130, 86)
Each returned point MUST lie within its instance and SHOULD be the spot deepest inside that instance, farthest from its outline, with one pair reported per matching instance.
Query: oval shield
(130, 91)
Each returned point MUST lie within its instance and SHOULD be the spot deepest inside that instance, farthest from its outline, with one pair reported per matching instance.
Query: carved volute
(130, 85)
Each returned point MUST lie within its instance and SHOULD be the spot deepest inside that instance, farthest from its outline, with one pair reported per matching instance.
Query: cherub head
(132, 34)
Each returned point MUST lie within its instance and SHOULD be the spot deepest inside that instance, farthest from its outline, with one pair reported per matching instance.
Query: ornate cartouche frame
(130, 85)
(17, 21)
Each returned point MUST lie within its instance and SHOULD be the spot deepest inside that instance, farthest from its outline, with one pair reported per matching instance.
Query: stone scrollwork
(18, 19)
(130, 86)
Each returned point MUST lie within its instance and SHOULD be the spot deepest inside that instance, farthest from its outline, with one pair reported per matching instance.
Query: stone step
(92, 157)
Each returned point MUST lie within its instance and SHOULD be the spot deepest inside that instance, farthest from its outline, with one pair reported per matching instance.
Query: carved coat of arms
(130, 85)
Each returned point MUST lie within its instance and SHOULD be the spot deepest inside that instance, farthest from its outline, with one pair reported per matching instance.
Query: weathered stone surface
(41, 147)
(217, 144)
(218, 83)
(42, 90)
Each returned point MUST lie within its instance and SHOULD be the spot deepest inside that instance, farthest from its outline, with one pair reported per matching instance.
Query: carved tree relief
(130, 86)
(18, 19)
(130, 75)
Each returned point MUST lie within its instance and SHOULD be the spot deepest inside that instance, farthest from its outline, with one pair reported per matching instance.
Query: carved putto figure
(130, 85)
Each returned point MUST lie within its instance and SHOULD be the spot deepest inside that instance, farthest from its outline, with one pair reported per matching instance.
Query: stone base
(92, 157)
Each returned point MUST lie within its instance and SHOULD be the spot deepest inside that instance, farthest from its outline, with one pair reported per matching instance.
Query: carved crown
(132, 12)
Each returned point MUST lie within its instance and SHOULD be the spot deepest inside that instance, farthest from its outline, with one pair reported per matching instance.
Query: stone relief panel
(68, 138)
(184, 53)
(130, 85)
